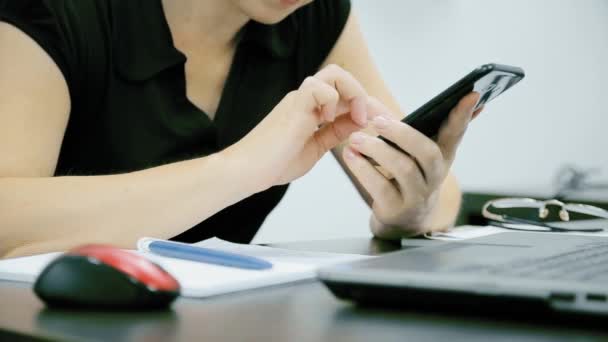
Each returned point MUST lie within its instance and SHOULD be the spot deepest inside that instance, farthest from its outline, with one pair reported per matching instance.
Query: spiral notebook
(203, 280)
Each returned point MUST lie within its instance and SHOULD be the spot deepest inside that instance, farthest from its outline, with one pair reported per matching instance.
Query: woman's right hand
(308, 122)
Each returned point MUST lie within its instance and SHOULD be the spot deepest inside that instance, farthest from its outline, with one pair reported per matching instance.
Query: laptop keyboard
(587, 263)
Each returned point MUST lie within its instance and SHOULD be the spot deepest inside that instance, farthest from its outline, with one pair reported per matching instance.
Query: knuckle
(400, 131)
(329, 93)
(373, 142)
(433, 152)
(405, 165)
(432, 148)
(308, 81)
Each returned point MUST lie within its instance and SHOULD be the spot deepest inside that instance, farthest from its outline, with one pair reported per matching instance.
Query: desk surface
(296, 312)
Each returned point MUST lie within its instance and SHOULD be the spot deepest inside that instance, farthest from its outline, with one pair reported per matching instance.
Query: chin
(270, 11)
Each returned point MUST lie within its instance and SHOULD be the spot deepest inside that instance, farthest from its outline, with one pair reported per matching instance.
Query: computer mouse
(104, 277)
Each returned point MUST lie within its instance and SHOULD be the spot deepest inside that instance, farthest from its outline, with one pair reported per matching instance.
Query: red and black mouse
(105, 277)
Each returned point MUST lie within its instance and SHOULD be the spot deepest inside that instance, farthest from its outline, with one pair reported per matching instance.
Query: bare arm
(351, 53)
(41, 213)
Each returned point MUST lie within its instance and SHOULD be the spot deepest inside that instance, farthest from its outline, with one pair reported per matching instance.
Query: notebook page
(200, 279)
(25, 269)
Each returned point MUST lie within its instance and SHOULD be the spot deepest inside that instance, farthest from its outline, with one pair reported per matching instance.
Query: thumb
(453, 129)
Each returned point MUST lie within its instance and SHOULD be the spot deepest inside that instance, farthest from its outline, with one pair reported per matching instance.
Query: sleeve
(44, 26)
(320, 24)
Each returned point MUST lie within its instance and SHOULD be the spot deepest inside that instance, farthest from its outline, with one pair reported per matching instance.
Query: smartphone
(489, 80)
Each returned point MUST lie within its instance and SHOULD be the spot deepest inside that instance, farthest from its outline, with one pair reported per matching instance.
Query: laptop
(547, 271)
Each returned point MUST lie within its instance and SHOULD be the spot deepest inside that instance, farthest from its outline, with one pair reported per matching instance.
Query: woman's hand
(405, 187)
(308, 122)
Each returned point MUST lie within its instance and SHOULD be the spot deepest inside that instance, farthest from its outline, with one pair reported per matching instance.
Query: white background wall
(557, 115)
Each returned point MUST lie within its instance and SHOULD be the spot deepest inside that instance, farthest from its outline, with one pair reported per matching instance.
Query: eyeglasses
(530, 214)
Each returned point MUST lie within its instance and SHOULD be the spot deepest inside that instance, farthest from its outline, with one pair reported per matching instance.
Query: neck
(214, 22)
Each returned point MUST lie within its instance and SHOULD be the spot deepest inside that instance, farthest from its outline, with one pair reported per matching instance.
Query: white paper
(202, 280)
(25, 269)
(470, 232)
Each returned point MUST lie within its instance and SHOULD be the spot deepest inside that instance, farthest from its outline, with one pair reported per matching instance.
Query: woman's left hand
(405, 192)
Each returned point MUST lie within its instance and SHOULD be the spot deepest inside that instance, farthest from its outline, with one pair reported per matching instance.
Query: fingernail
(380, 122)
(359, 111)
(349, 154)
(357, 138)
(363, 121)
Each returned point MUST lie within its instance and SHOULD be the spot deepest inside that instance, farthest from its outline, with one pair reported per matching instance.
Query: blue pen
(185, 251)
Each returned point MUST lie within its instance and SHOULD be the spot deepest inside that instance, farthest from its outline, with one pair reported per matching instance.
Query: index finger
(350, 90)
(343, 81)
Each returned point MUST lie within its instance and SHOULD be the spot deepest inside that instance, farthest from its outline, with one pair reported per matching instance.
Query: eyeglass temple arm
(485, 212)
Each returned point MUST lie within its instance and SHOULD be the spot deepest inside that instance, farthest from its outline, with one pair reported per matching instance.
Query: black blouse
(127, 86)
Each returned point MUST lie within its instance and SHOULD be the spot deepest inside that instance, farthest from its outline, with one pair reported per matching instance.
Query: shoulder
(332, 12)
(74, 33)
(53, 14)
(321, 9)
(322, 21)
(67, 22)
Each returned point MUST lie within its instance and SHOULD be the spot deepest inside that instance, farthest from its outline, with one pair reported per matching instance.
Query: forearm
(55, 213)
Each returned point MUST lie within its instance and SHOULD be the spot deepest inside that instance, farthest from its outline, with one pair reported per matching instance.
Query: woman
(187, 119)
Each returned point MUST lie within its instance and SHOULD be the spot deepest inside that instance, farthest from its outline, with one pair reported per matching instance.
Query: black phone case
(489, 80)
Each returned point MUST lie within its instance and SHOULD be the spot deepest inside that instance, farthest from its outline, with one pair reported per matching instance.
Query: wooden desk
(304, 311)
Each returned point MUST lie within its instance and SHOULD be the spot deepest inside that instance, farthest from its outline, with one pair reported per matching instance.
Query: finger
(424, 151)
(386, 173)
(375, 108)
(452, 131)
(315, 94)
(347, 86)
(382, 191)
(332, 134)
(344, 82)
(398, 164)
(358, 110)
